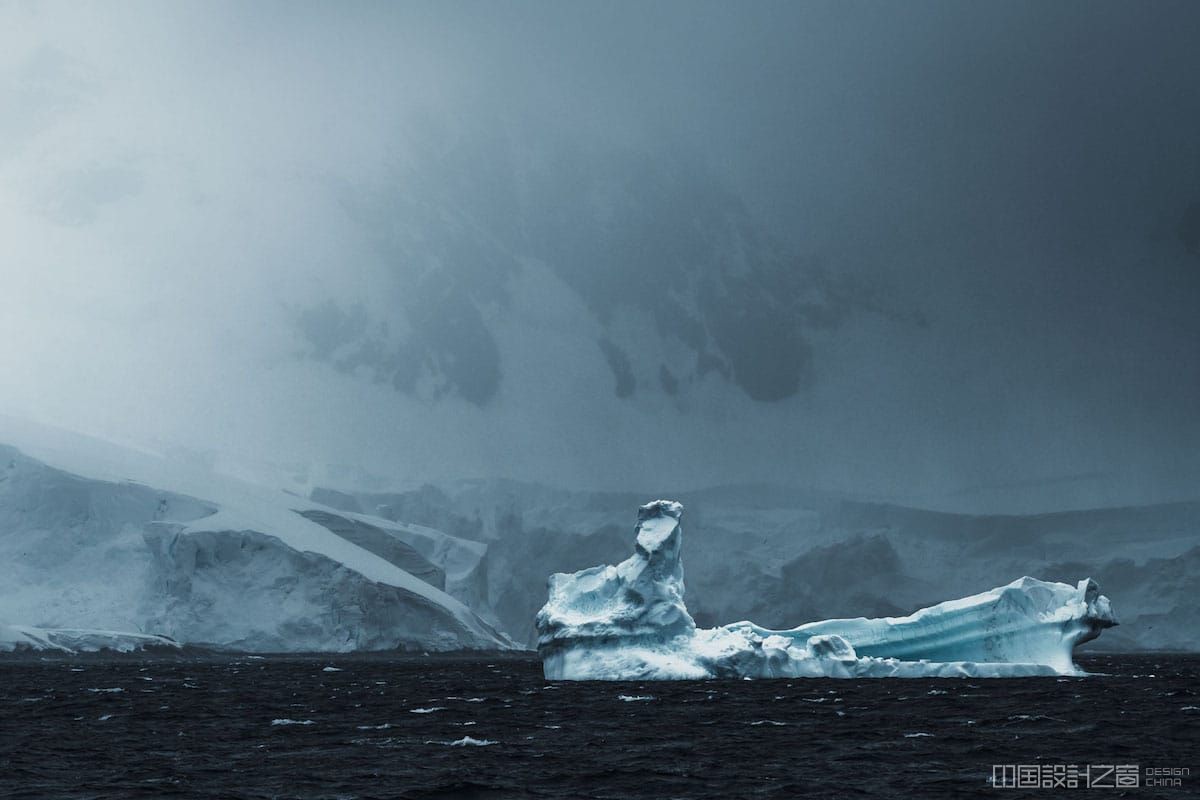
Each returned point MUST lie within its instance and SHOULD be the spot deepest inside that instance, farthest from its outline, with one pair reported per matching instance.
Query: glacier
(111, 547)
(629, 622)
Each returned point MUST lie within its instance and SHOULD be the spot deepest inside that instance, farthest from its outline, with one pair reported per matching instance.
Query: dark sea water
(492, 727)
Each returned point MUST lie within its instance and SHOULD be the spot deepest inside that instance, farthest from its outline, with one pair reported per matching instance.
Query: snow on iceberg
(629, 622)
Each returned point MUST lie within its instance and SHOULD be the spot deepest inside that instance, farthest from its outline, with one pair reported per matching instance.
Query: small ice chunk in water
(468, 741)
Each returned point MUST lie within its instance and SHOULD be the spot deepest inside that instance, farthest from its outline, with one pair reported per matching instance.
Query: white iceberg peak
(640, 598)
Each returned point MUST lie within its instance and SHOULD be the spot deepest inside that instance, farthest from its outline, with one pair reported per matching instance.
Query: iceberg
(629, 622)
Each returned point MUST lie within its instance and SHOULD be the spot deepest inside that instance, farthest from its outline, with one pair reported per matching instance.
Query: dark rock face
(336, 499)
(628, 232)
(427, 506)
(383, 544)
(618, 362)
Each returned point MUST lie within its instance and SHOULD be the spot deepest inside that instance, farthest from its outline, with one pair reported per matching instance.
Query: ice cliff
(109, 547)
(74, 640)
(629, 622)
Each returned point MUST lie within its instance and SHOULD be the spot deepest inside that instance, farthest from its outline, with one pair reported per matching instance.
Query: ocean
(489, 726)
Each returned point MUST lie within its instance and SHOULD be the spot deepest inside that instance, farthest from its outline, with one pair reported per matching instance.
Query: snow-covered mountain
(100, 545)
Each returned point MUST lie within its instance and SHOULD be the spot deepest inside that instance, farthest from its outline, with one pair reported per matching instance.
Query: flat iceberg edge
(629, 622)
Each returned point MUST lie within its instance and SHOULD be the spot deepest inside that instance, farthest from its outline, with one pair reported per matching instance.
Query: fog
(941, 253)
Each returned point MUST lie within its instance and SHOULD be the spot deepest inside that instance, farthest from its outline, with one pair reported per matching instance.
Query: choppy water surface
(492, 727)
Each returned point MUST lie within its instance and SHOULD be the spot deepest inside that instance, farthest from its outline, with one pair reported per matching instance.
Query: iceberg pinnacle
(639, 599)
(629, 622)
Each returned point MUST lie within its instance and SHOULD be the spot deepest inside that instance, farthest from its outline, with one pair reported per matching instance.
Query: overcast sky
(1006, 187)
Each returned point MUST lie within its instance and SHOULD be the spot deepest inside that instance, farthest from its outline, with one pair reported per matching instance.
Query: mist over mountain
(661, 255)
(939, 255)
